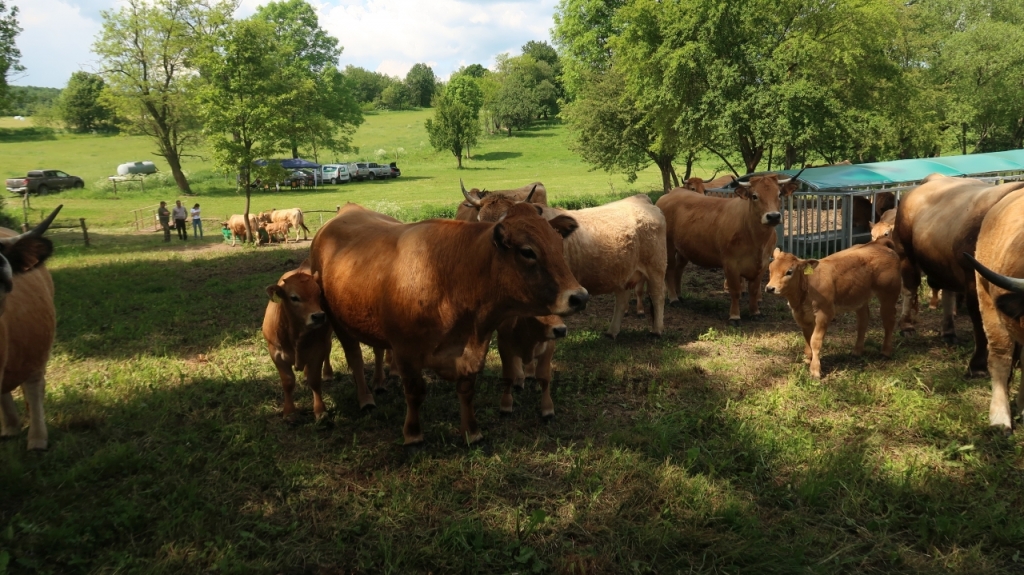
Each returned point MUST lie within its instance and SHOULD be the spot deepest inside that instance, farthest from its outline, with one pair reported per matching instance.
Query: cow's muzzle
(560, 331)
(770, 289)
(578, 301)
(318, 318)
(772, 218)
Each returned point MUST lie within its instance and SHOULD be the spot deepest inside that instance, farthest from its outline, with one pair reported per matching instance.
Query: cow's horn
(37, 231)
(796, 177)
(530, 195)
(999, 280)
(469, 198)
(744, 184)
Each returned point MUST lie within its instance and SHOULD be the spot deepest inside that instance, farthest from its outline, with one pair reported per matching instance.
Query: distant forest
(27, 100)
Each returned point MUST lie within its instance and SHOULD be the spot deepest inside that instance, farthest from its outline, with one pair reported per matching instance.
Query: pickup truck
(42, 182)
(378, 172)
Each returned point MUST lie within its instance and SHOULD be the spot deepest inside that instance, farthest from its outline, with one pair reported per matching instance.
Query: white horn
(473, 201)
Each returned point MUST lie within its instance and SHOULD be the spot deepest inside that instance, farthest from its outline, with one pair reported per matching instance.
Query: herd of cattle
(432, 294)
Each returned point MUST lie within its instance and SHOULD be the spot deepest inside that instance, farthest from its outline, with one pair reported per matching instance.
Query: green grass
(429, 184)
(709, 450)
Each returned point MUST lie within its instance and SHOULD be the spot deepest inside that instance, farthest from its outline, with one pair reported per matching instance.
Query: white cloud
(383, 35)
(55, 41)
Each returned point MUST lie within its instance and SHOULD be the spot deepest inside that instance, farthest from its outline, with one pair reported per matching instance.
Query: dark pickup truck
(42, 182)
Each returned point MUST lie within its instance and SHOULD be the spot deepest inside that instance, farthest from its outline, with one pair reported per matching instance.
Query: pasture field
(709, 450)
(429, 183)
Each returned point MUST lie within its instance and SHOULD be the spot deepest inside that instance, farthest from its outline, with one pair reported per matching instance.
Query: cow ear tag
(808, 270)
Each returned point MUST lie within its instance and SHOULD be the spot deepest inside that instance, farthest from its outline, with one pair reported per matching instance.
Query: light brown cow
(28, 322)
(700, 186)
(469, 210)
(278, 229)
(528, 344)
(298, 335)
(435, 291)
(883, 229)
(736, 234)
(936, 223)
(818, 290)
(292, 216)
(1000, 267)
(617, 246)
(236, 224)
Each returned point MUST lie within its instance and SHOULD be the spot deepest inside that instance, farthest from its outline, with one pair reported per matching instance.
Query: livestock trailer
(835, 206)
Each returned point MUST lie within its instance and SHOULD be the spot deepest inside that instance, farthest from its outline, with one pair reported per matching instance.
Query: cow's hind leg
(621, 303)
(638, 291)
(863, 315)
(754, 293)
(378, 370)
(887, 310)
(978, 366)
(948, 328)
(911, 283)
(734, 283)
(933, 302)
(547, 405)
(354, 357)
(656, 287)
(466, 387)
(674, 276)
(415, 392)
(10, 423)
(34, 389)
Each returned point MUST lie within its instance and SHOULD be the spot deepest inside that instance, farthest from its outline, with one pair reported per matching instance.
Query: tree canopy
(10, 56)
(81, 106)
(455, 125)
(420, 82)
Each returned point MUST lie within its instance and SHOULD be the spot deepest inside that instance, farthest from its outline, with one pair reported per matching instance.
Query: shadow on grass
(497, 156)
(31, 134)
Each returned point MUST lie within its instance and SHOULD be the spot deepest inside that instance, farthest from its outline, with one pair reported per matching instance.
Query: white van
(335, 173)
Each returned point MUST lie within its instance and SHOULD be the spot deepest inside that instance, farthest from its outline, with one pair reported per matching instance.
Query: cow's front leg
(621, 303)
(34, 390)
(863, 315)
(754, 289)
(547, 405)
(415, 392)
(466, 387)
(510, 371)
(808, 330)
(284, 370)
(911, 283)
(734, 283)
(354, 357)
(378, 370)
(820, 326)
(313, 380)
(10, 423)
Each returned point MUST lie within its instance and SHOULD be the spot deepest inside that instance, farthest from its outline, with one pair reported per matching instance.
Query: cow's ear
(501, 236)
(540, 210)
(742, 192)
(27, 253)
(810, 266)
(275, 292)
(316, 276)
(1012, 304)
(776, 253)
(564, 225)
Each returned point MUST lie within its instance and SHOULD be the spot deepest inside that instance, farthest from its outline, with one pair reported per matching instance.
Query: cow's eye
(527, 253)
(789, 272)
(295, 298)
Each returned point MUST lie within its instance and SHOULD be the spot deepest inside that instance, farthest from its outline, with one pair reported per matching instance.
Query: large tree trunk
(458, 158)
(179, 176)
(791, 156)
(664, 164)
(752, 152)
(295, 151)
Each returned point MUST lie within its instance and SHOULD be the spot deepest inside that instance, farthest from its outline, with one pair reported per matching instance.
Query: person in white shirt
(197, 222)
(178, 213)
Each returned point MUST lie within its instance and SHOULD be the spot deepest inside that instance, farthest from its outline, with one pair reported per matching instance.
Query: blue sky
(383, 35)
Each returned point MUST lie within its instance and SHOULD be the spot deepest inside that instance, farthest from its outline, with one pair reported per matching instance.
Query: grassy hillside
(428, 178)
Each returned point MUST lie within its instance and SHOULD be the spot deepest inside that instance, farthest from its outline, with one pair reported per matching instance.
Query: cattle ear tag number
(808, 270)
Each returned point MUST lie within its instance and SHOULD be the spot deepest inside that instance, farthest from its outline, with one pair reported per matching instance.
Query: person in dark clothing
(164, 216)
(179, 213)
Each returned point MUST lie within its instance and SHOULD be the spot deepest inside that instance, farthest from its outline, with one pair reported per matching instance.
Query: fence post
(85, 231)
(337, 209)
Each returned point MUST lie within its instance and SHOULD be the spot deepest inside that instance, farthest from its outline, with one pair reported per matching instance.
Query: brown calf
(818, 290)
(525, 342)
(28, 322)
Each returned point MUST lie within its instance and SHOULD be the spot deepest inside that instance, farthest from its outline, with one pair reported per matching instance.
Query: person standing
(197, 222)
(165, 220)
(179, 214)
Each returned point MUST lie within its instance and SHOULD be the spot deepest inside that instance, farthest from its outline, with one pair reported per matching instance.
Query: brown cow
(700, 186)
(936, 223)
(292, 216)
(999, 266)
(435, 291)
(298, 335)
(28, 322)
(618, 246)
(236, 224)
(469, 210)
(883, 229)
(528, 342)
(277, 229)
(818, 290)
(731, 233)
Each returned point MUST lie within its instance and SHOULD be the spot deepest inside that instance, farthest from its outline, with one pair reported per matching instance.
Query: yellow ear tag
(808, 270)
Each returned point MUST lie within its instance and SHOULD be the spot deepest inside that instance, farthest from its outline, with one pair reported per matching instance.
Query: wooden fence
(73, 231)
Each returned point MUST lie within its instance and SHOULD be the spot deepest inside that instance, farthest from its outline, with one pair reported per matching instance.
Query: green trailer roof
(906, 171)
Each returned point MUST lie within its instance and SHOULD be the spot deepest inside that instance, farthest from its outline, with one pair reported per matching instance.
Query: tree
(455, 125)
(366, 86)
(9, 53)
(245, 85)
(473, 70)
(322, 113)
(465, 90)
(144, 50)
(395, 96)
(541, 52)
(420, 82)
(80, 106)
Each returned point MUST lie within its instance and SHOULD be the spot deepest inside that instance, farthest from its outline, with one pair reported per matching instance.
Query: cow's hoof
(734, 322)
(675, 303)
(473, 439)
(37, 445)
(655, 335)
(610, 336)
(505, 414)
(757, 317)
(413, 443)
(907, 332)
(949, 339)
(368, 407)
(547, 417)
(976, 373)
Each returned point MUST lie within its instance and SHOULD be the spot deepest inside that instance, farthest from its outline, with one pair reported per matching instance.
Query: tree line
(769, 84)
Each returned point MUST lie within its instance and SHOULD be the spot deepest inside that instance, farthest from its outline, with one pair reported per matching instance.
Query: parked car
(42, 182)
(335, 173)
(395, 172)
(358, 171)
(378, 171)
(298, 178)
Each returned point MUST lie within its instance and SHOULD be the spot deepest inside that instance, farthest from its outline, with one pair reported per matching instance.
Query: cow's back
(707, 230)
(614, 241)
(27, 325)
(857, 272)
(939, 220)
